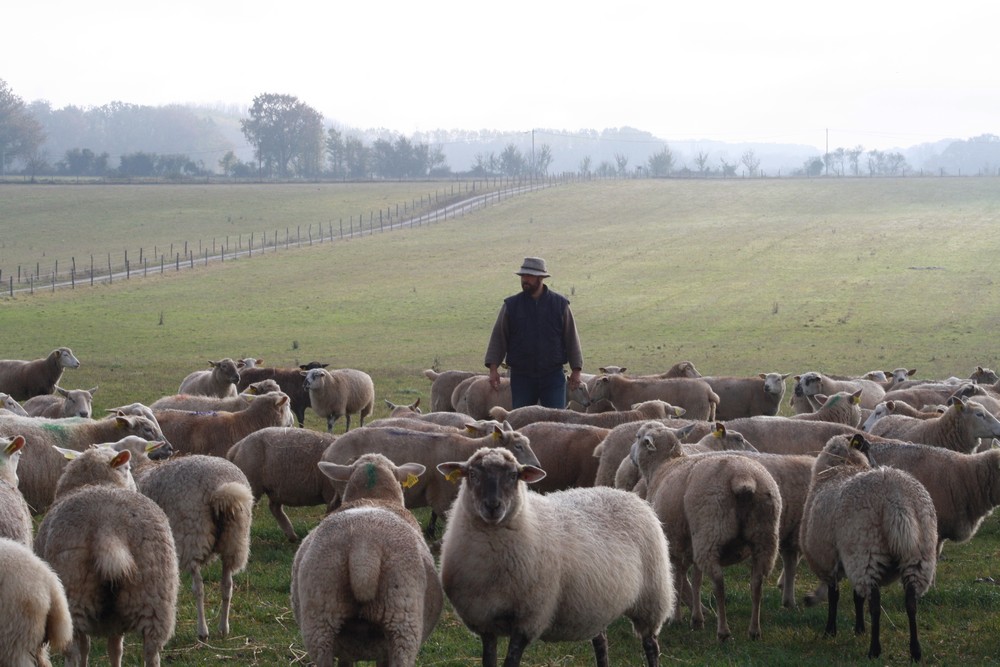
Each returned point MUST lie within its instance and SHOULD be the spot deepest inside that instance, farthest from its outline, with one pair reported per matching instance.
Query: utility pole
(533, 154)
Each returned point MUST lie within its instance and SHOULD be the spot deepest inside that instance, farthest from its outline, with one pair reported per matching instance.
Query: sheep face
(313, 378)
(774, 384)
(492, 482)
(227, 369)
(811, 383)
(65, 358)
(7, 402)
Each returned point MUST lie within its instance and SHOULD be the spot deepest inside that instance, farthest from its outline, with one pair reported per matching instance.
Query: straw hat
(533, 266)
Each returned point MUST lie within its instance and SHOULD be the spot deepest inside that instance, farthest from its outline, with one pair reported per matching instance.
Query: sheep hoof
(697, 623)
(723, 636)
(811, 600)
(755, 635)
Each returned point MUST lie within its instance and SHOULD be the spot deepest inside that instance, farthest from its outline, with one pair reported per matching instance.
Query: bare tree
(728, 170)
(585, 166)
(702, 162)
(661, 163)
(751, 162)
(622, 161)
(854, 157)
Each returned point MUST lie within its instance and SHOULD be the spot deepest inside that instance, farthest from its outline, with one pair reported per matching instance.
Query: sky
(882, 73)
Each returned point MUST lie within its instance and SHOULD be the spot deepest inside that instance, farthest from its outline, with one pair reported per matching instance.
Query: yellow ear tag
(411, 480)
(718, 433)
(453, 476)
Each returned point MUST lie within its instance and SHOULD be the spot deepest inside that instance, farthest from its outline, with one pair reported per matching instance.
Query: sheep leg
(859, 614)
(875, 608)
(115, 648)
(347, 426)
(817, 596)
(489, 649)
(515, 648)
(719, 588)
(78, 651)
(330, 421)
(651, 648)
(283, 522)
(431, 526)
(226, 587)
(789, 560)
(911, 616)
(150, 654)
(600, 644)
(697, 618)
(198, 588)
(833, 596)
(756, 591)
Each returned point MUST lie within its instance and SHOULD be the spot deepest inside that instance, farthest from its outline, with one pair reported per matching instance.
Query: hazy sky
(878, 73)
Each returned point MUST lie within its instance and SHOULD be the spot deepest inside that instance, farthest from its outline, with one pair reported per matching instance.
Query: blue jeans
(547, 390)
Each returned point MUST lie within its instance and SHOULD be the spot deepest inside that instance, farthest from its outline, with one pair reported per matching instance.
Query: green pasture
(739, 277)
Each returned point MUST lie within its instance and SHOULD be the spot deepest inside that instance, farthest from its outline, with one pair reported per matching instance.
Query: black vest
(535, 343)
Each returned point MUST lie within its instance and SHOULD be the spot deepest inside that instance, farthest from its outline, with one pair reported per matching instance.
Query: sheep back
(695, 395)
(442, 385)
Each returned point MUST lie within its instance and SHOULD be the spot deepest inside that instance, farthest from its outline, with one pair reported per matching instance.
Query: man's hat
(533, 266)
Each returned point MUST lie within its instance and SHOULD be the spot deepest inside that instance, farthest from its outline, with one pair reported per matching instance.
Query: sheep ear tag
(412, 479)
(453, 476)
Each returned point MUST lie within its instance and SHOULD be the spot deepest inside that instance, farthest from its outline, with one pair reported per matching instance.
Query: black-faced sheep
(872, 525)
(693, 394)
(282, 463)
(555, 567)
(364, 586)
(716, 509)
(340, 393)
(24, 379)
(15, 516)
(113, 550)
(959, 428)
(68, 403)
(288, 379)
(220, 380)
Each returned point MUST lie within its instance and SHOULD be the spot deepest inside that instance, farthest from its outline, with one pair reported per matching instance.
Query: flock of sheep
(558, 522)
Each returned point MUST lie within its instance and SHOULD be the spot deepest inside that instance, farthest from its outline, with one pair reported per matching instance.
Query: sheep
(37, 617)
(73, 403)
(555, 567)
(363, 584)
(288, 379)
(872, 525)
(717, 510)
(403, 410)
(249, 362)
(652, 409)
(213, 433)
(15, 515)
(114, 552)
(24, 379)
(565, 452)
(9, 406)
(927, 395)
(477, 396)
(340, 393)
(200, 403)
(442, 385)
(816, 383)
(209, 505)
(220, 380)
(748, 396)
(784, 435)
(40, 466)
(458, 420)
(404, 446)
(959, 428)
(281, 462)
(615, 447)
(840, 408)
(695, 395)
(893, 407)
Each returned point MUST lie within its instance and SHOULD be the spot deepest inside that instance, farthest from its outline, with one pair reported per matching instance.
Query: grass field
(739, 277)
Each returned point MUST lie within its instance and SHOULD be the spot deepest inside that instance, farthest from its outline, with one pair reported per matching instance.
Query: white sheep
(37, 615)
(477, 397)
(813, 383)
(15, 515)
(565, 452)
(68, 403)
(748, 396)
(872, 525)
(443, 383)
(24, 379)
(555, 567)
(784, 435)
(282, 463)
(340, 393)
(959, 428)
(199, 403)
(693, 394)
(288, 379)
(209, 505)
(895, 407)
(717, 510)
(840, 408)
(652, 409)
(220, 380)
(11, 407)
(113, 550)
(364, 585)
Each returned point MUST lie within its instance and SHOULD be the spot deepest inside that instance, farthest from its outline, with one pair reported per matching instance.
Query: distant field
(739, 277)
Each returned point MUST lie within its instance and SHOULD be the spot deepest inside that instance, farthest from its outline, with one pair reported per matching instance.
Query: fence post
(91, 270)
(110, 275)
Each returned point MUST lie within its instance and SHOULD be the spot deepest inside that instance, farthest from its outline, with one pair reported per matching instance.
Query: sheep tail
(113, 559)
(232, 509)
(58, 623)
(743, 486)
(364, 567)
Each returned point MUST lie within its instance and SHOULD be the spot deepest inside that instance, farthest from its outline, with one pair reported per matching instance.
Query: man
(536, 333)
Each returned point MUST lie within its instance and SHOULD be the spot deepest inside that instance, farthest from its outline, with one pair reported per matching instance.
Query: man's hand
(494, 378)
(574, 380)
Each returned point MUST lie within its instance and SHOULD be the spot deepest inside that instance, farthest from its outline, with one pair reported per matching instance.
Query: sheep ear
(856, 397)
(69, 454)
(390, 404)
(858, 442)
(408, 474)
(14, 446)
(62, 392)
(679, 411)
(531, 474)
(720, 430)
(452, 471)
(335, 471)
(121, 458)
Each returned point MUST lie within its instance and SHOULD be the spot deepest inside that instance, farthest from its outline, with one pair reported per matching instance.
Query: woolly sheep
(927, 395)
(37, 617)
(9, 406)
(288, 379)
(565, 452)
(458, 420)
(717, 510)
(249, 362)
(403, 410)
(442, 385)
(199, 403)
(840, 408)
(364, 585)
(428, 449)
(959, 428)
(209, 505)
(340, 393)
(653, 409)
(15, 515)
(893, 407)
(24, 379)
(616, 446)
(478, 396)
(816, 383)
(693, 394)
(554, 567)
(220, 380)
(281, 462)
(784, 435)
(40, 466)
(101, 536)
(213, 433)
(68, 403)
(748, 396)
(872, 525)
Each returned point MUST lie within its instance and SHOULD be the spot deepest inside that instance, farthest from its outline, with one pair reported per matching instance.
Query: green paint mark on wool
(58, 431)
(833, 400)
(372, 475)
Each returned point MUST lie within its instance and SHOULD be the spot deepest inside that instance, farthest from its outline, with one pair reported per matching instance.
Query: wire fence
(109, 267)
